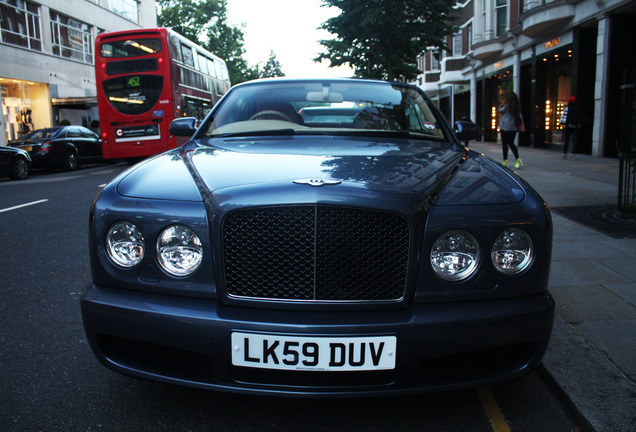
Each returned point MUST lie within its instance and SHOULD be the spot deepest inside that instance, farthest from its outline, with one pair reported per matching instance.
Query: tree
(190, 18)
(272, 68)
(228, 43)
(382, 38)
(204, 22)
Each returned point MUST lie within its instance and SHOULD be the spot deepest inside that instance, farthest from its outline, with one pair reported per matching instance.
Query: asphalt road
(52, 382)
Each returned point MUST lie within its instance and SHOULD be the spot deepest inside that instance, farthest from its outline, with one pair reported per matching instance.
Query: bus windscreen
(130, 48)
(133, 94)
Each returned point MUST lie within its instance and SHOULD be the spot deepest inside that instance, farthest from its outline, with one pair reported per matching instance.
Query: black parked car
(358, 254)
(15, 163)
(64, 147)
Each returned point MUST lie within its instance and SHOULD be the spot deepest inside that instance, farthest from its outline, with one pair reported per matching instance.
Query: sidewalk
(592, 354)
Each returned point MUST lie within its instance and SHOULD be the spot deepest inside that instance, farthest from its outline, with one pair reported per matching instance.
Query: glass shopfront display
(25, 107)
(556, 68)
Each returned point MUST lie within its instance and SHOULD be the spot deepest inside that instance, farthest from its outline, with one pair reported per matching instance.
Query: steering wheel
(271, 115)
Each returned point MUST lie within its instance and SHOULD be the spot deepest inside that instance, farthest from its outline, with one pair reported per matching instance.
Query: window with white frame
(457, 44)
(501, 15)
(21, 24)
(434, 60)
(128, 9)
(71, 38)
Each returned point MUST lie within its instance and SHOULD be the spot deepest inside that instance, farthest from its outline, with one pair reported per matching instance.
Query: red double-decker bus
(145, 79)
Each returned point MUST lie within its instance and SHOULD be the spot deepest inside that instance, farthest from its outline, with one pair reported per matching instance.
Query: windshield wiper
(273, 132)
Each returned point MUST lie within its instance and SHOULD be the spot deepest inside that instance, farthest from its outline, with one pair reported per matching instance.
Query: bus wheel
(70, 161)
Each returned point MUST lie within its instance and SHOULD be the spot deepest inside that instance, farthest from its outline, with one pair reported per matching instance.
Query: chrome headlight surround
(125, 245)
(455, 255)
(512, 251)
(179, 250)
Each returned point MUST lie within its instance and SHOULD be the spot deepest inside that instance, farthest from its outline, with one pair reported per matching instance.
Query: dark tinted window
(73, 133)
(131, 48)
(133, 94)
(87, 133)
(41, 133)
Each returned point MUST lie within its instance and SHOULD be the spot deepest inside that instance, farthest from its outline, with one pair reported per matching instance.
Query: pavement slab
(591, 359)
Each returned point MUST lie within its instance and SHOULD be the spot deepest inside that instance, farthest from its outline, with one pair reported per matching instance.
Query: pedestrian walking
(508, 123)
(573, 118)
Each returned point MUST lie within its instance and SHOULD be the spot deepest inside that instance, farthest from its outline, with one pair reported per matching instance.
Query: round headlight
(179, 250)
(512, 251)
(455, 255)
(125, 244)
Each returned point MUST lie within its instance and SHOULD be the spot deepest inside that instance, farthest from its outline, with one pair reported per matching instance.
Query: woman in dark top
(573, 119)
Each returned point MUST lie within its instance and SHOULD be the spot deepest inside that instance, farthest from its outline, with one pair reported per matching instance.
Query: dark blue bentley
(320, 237)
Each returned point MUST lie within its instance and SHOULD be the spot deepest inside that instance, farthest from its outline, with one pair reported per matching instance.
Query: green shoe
(505, 162)
(518, 164)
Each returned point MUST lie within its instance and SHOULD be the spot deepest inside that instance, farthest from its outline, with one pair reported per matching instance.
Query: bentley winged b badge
(317, 182)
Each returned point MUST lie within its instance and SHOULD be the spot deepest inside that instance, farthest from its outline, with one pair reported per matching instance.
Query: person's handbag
(521, 126)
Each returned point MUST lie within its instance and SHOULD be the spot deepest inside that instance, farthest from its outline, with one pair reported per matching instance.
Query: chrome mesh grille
(318, 253)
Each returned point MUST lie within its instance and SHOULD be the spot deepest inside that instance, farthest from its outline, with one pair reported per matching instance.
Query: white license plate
(313, 353)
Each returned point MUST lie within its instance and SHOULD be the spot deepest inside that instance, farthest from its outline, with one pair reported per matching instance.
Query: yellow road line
(495, 416)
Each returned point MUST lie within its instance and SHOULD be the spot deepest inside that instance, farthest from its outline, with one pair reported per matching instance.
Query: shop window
(71, 38)
(21, 24)
(128, 9)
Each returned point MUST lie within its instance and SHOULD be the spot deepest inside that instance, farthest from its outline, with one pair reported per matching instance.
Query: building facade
(545, 51)
(47, 75)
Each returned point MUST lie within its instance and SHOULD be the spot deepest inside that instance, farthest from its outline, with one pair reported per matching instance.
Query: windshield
(133, 94)
(131, 48)
(324, 107)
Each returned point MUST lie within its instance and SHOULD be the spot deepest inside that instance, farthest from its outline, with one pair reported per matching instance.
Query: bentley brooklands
(321, 238)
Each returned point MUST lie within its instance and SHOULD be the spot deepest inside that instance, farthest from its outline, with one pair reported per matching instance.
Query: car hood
(397, 174)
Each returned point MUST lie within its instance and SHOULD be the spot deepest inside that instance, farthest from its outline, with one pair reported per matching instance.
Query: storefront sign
(552, 43)
(498, 65)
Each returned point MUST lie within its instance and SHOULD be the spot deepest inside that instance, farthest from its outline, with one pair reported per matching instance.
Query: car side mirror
(467, 131)
(185, 126)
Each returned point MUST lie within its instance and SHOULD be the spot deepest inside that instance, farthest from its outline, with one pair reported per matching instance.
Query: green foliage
(190, 18)
(382, 38)
(272, 68)
(204, 22)
(228, 43)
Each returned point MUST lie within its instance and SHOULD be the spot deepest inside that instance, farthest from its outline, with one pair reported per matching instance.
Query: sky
(289, 28)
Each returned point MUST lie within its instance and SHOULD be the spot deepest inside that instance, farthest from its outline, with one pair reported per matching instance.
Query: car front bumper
(440, 346)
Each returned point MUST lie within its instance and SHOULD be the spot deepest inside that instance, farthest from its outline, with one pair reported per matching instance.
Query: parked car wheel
(19, 169)
(70, 161)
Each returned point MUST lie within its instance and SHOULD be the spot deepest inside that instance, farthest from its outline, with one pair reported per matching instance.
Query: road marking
(23, 205)
(495, 416)
(102, 185)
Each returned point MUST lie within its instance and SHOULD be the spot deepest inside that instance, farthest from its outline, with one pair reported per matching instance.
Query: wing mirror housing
(185, 126)
(467, 131)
